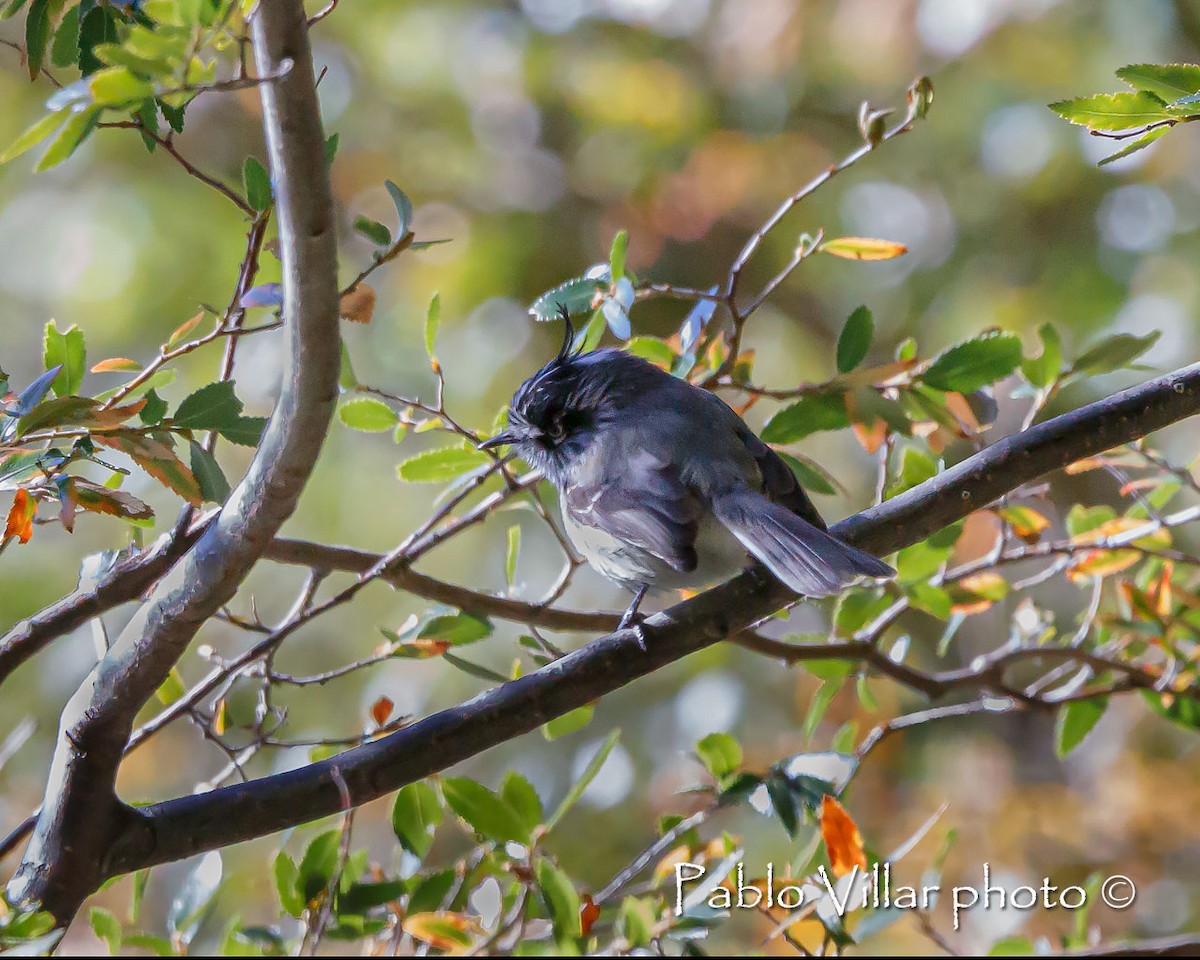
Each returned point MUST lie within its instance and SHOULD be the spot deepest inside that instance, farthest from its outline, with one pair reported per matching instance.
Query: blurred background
(528, 133)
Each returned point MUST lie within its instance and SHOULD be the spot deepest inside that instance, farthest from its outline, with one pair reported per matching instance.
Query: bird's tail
(810, 561)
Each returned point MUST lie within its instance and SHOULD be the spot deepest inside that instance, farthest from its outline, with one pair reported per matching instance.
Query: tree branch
(83, 826)
(188, 825)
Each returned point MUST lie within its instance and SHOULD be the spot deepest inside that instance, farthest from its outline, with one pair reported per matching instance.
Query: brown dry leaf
(957, 404)
(358, 306)
(20, 517)
(381, 709)
(158, 460)
(871, 438)
(98, 499)
(116, 365)
(843, 842)
(443, 930)
(589, 913)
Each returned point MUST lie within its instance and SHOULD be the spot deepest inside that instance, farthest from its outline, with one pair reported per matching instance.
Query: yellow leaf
(863, 248)
(666, 866)
(843, 842)
(358, 306)
(443, 930)
(1026, 522)
(1101, 563)
(20, 517)
(184, 329)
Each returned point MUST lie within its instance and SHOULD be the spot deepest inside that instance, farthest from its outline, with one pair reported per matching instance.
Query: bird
(662, 485)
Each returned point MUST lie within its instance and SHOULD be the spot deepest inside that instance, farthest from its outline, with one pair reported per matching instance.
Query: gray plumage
(663, 485)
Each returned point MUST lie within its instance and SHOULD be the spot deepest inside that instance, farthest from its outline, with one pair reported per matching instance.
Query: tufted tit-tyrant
(663, 485)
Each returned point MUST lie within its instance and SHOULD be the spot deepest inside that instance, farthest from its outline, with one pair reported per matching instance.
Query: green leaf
(438, 466)
(117, 86)
(487, 813)
(855, 339)
(576, 295)
(1075, 721)
(1114, 353)
(107, 928)
(331, 148)
(561, 899)
(368, 415)
(430, 892)
(37, 35)
(820, 703)
(317, 865)
(820, 411)
(975, 363)
(416, 814)
(404, 208)
(172, 688)
(652, 349)
(65, 49)
(588, 775)
(456, 629)
(570, 722)
(373, 230)
(1133, 146)
(212, 407)
(720, 753)
(244, 431)
(257, 183)
(72, 134)
(1184, 711)
(213, 485)
(154, 409)
(476, 670)
(35, 134)
(1112, 111)
(68, 350)
(636, 922)
(96, 27)
(810, 475)
(520, 795)
(1168, 81)
(616, 256)
(432, 318)
(916, 466)
(511, 554)
(1044, 369)
(933, 600)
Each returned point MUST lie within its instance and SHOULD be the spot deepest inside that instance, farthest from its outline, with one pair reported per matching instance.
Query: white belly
(719, 553)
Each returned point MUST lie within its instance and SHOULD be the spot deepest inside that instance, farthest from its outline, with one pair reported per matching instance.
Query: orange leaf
(442, 930)
(118, 503)
(589, 913)
(871, 437)
(358, 306)
(1026, 522)
(1101, 563)
(843, 842)
(116, 365)
(158, 460)
(181, 331)
(863, 248)
(20, 517)
(381, 709)
(1163, 601)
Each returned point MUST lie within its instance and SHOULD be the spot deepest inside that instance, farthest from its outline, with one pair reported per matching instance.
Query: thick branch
(189, 825)
(82, 825)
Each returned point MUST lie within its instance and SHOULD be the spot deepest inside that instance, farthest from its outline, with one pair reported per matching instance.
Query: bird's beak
(504, 438)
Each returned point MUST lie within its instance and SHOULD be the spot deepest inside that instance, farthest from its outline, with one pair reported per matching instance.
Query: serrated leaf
(863, 248)
(975, 363)
(64, 51)
(244, 431)
(821, 411)
(368, 415)
(37, 35)
(213, 485)
(99, 499)
(522, 797)
(439, 466)
(855, 339)
(575, 295)
(1075, 721)
(1168, 81)
(432, 318)
(1112, 111)
(157, 460)
(561, 899)
(486, 812)
(214, 406)
(720, 753)
(257, 183)
(68, 352)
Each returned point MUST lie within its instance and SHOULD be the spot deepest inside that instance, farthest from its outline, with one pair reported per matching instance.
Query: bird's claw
(632, 620)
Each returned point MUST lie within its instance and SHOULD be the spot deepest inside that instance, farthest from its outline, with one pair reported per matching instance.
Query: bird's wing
(643, 503)
(779, 483)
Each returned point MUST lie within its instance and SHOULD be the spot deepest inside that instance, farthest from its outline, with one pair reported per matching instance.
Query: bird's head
(555, 414)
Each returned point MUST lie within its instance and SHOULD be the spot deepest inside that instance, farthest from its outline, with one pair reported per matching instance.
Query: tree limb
(189, 825)
(83, 826)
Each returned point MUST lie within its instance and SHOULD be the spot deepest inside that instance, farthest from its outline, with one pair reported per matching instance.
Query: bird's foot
(632, 620)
